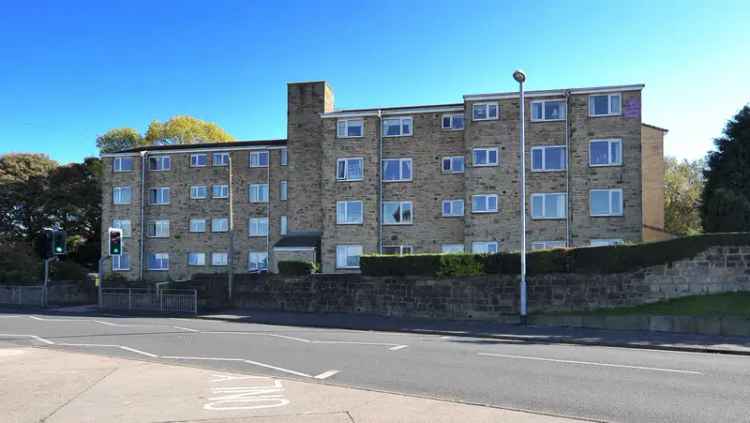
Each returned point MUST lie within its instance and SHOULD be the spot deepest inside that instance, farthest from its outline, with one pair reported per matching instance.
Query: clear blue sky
(71, 70)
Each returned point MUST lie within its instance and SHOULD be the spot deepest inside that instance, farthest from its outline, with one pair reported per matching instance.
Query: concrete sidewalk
(40, 384)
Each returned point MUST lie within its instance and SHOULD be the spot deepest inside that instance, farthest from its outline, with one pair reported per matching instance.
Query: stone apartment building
(398, 180)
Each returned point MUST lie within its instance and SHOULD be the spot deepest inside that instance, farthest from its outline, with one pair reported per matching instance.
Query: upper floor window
(219, 259)
(220, 191)
(258, 193)
(122, 164)
(199, 160)
(121, 195)
(258, 158)
(349, 212)
(453, 164)
(283, 225)
(284, 159)
(347, 256)
(548, 205)
(547, 245)
(159, 163)
(197, 225)
(397, 213)
(607, 152)
(484, 247)
(221, 159)
(283, 190)
(157, 229)
(453, 121)
(158, 261)
(350, 128)
(349, 169)
(198, 192)
(484, 111)
(258, 226)
(485, 156)
(547, 110)
(453, 208)
(606, 202)
(548, 158)
(398, 250)
(604, 104)
(220, 224)
(484, 203)
(606, 242)
(452, 248)
(397, 127)
(397, 170)
(257, 261)
(159, 196)
(124, 225)
(196, 259)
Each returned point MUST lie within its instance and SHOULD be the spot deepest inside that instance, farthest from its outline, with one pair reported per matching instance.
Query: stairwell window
(548, 205)
(220, 224)
(397, 213)
(258, 158)
(484, 247)
(606, 202)
(121, 195)
(196, 259)
(550, 158)
(347, 256)
(605, 104)
(258, 226)
(157, 229)
(484, 111)
(198, 192)
(454, 121)
(349, 212)
(547, 110)
(605, 152)
(485, 156)
(159, 163)
(484, 203)
(453, 208)
(258, 193)
(257, 261)
(158, 261)
(199, 160)
(350, 128)
(283, 190)
(122, 164)
(221, 159)
(284, 158)
(397, 170)
(453, 164)
(349, 169)
(219, 259)
(283, 225)
(159, 196)
(397, 127)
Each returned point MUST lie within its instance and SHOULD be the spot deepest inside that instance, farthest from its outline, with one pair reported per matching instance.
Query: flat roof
(212, 145)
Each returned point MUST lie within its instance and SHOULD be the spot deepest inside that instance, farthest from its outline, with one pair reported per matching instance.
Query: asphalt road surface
(598, 383)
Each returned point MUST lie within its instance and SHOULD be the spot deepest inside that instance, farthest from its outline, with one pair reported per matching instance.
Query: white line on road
(38, 338)
(326, 375)
(398, 347)
(186, 329)
(255, 363)
(589, 363)
(122, 347)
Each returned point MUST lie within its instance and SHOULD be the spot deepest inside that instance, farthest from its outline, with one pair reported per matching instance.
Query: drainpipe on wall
(567, 169)
(143, 205)
(380, 181)
(268, 214)
(230, 258)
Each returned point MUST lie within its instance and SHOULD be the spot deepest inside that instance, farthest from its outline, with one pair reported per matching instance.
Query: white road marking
(112, 324)
(186, 329)
(398, 347)
(8, 317)
(38, 338)
(326, 375)
(265, 392)
(590, 363)
(122, 347)
(255, 363)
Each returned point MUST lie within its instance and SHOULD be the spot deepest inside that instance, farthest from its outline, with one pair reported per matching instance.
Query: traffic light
(115, 241)
(58, 243)
(51, 243)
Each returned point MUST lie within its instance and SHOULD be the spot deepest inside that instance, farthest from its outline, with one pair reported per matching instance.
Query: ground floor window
(196, 259)
(158, 261)
(606, 242)
(219, 259)
(347, 256)
(398, 250)
(547, 245)
(257, 261)
(120, 263)
(484, 247)
(452, 248)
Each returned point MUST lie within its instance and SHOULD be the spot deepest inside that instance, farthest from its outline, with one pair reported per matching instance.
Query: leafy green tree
(119, 139)
(185, 130)
(726, 196)
(23, 195)
(683, 187)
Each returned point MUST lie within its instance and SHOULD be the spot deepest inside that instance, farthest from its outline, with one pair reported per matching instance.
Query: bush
(67, 271)
(297, 268)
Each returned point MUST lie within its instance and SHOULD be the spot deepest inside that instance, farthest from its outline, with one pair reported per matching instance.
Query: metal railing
(144, 300)
(32, 295)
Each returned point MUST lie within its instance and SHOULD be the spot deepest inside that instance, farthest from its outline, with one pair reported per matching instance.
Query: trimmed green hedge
(612, 259)
(297, 268)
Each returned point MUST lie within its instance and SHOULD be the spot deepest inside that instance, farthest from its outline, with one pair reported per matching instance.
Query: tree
(185, 130)
(683, 186)
(119, 139)
(23, 188)
(726, 196)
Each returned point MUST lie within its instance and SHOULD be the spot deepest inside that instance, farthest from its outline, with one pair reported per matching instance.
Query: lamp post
(520, 77)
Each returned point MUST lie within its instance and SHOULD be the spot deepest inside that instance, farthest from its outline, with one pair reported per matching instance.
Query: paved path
(599, 383)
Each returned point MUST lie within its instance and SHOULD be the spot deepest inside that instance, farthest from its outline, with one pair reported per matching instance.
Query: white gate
(22, 295)
(139, 299)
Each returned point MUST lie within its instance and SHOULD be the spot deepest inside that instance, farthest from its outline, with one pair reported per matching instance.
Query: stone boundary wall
(718, 269)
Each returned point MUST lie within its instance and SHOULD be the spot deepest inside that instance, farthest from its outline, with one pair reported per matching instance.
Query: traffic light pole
(46, 278)
(102, 259)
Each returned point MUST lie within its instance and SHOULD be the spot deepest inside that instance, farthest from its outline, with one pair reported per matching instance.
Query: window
(349, 169)
(398, 250)
(158, 261)
(258, 193)
(484, 203)
(159, 163)
(219, 259)
(397, 213)
(606, 152)
(197, 225)
(606, 202)
(547, 245)
(397, 127)
(548, 205)
(120, 263)
(604, 104)
(159, 196)
(453, 208)
(452, 248)
(485, 156)
(484, 111)
(258, 158)
(124, 225)
(257, 261)
(122, 164)
(347, 256)
(198, 192)
(157, 229)
(196, 259)
(349, 212)
(396, 170)
(221, 159)
(453, 121)
(548, 158)
(283, 225)
(198, 160)
(121, 195)
(284, 159)
(283, 190)
(453, 164)
(606, 242)
(547, 110)
(220, 191)
(349, 128)
(258, 226)
(220, 224)
(484, 247)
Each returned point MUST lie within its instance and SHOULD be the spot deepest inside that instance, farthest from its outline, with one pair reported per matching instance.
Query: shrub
(461, 265)
(297, 268)
(67, 271)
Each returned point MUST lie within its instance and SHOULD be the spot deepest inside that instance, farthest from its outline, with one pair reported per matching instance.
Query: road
(598, 383)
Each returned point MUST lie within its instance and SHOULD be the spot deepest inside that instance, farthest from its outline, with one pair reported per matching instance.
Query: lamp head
(519, 76)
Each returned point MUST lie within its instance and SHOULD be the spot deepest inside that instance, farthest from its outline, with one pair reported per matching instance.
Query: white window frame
(196, 220)
(220, 259)
(254, 159)
(258, 262)
(346, 250)
(194, 194)
(346, 161)
(487, 150)
(160, 193)
(162, 258)
(543, 103)
(609, 202)
(342, 128)
(543, 196)
(401, 120)
(451, 121)
(283, 190)
(344, 206)
(197, 255)
(284, 157)
(450, 161)
(609, 104)
(283, 225)
(194, 158)
(403, 249)
(118, 192)
(221, 162)
(476, 244)
(452, 205)
(452, 248)
(164, 163)
(258, 227)
(609, 142)
(215, 228)
(117, 262)
(400, 170)
(223, 191)
(124, 225)
(117, 164)
(401, 205)
(486, 106)
(160, 228)
(543, 149)
(547, 245)
(259, 189)
(606, 242)
(497, 203)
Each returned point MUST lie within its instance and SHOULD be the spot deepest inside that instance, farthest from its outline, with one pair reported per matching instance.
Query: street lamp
(520, 77)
